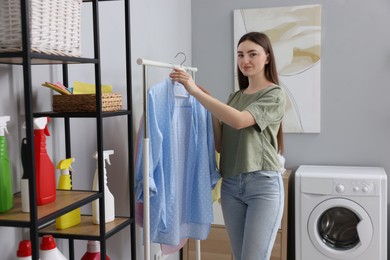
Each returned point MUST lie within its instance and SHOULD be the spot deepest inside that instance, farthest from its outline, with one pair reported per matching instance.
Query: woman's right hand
(185, 79)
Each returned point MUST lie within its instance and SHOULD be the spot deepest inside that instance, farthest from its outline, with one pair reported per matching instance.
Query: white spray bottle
(109, 202)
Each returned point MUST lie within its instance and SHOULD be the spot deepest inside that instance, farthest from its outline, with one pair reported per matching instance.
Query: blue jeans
(252, 206)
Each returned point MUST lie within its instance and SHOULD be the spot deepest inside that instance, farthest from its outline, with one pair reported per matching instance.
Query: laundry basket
(54, 26)
(86, 102)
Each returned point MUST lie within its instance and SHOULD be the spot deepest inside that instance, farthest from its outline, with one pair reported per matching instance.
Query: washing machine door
(340, 228)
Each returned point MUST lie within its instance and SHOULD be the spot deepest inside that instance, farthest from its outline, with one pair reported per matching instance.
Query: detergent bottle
(93, 251)
(48, 249)
(24, 189)
(72, 218)
(6, 192)
(24, 250)
(109, 202)
(44, 168)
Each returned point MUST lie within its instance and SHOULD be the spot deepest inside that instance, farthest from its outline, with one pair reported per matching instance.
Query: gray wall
(355, 71)
(355, 118)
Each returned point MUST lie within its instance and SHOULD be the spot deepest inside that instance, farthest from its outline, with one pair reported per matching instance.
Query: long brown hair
(270, 71)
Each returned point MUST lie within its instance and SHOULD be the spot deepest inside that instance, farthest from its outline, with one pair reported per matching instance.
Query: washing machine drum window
(340, 228)
(337, 228)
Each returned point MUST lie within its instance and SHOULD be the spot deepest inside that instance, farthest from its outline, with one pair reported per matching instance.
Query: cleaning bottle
(93, 251)
(44, 168)
(48, 249)
(72, 218)
(24, 250)
(24, 189)
(6, 192)
(109, 202)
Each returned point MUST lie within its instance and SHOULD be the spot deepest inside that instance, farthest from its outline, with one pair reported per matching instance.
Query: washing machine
(340, 213)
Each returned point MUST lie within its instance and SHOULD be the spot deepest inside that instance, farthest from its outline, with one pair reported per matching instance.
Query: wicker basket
(54, 26)
(86, 103)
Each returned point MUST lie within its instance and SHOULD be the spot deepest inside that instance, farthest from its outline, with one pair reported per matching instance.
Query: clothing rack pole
(197, 242)
(146, 222)
(163, 64)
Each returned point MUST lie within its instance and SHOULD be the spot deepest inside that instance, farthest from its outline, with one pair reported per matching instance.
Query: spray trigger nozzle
(46, 127)
(106, 156)
(108, 160)
(66, 165)
(3, 124)
(41, 123)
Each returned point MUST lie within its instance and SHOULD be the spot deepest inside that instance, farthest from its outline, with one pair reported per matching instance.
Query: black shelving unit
(39, 221)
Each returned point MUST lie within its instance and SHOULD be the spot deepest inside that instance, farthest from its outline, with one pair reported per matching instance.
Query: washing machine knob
(356, 188)
(340, 188)
(365, 189)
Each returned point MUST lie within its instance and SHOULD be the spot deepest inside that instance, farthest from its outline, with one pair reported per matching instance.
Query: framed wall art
(295, 33)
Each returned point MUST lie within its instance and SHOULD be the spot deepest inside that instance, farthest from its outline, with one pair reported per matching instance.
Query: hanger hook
(185, 58)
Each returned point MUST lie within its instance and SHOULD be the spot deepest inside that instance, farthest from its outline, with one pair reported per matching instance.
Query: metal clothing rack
(146, 222)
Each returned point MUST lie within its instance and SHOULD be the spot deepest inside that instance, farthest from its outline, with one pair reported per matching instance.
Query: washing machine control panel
(356, 187)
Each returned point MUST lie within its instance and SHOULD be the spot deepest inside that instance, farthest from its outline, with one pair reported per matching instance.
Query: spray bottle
(48, 249)
(93, 251)
(24, 250)
(6, 192)
(44, 168)
(109, 202)
(72, 218)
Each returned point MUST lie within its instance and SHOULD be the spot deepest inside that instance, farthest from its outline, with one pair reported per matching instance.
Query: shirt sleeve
(154, 152)
(214, 172)
(269, 108)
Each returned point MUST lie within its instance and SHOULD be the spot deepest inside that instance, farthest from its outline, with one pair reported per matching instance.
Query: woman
(248, 135)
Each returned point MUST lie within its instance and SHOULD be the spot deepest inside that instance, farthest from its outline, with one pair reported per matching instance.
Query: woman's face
(251, 58)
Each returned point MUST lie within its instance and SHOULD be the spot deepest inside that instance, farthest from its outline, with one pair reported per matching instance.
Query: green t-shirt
(255, 147)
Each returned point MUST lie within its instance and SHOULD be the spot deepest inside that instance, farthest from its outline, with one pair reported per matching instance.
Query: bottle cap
(48, 243)
(40, 123)
(24, 248)
(93, 246)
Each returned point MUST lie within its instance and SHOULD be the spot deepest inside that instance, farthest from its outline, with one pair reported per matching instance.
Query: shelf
(42, 59)
(82, 114)
(86, 229)
(43, 220)
(89, 1)
(66, 201)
